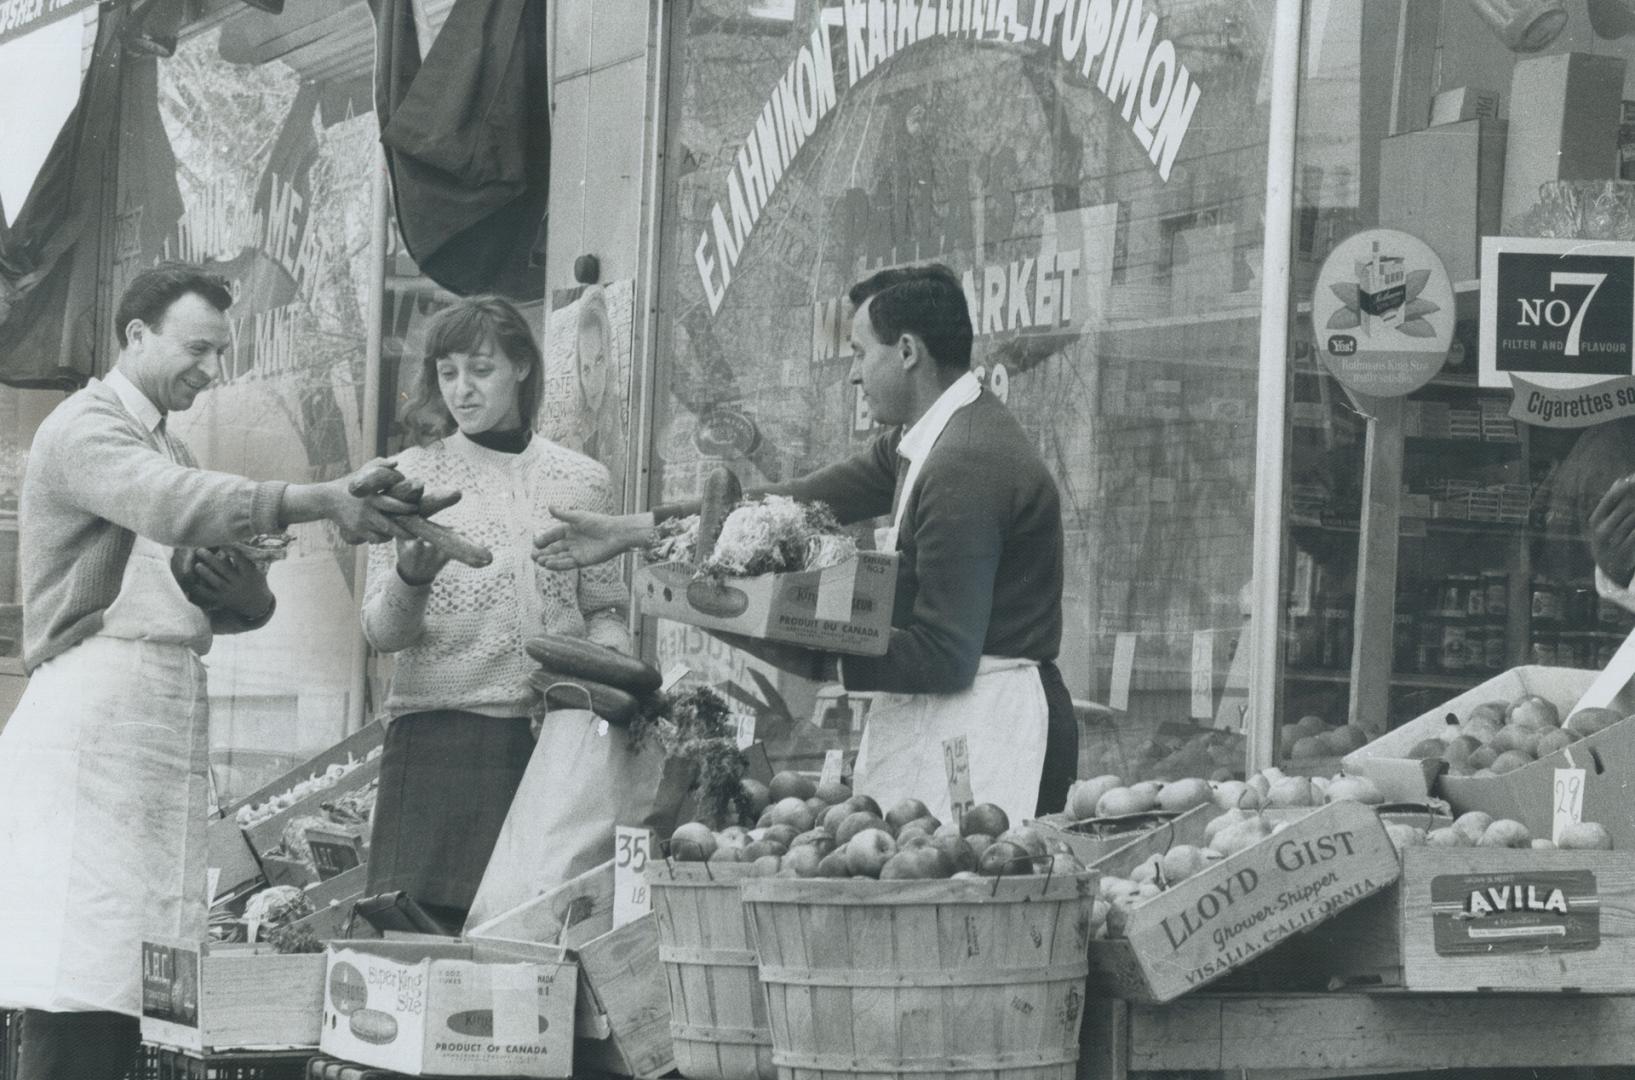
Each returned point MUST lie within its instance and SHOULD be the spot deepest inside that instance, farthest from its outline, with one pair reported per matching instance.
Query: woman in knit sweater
(460, 699)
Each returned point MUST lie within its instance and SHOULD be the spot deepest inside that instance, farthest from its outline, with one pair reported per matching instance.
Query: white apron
(1003, 715)
(103, 773)
(1004, 718)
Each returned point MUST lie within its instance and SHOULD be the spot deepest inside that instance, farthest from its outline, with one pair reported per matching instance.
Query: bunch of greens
(694, 726)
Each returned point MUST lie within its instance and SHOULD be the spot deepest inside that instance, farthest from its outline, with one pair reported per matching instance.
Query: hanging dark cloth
(104, 196)
(467, 137)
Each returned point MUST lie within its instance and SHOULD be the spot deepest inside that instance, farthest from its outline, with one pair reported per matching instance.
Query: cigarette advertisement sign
(1383, 313)
(1558, 322)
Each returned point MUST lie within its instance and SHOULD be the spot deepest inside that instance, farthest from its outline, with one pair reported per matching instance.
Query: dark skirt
(446, 783)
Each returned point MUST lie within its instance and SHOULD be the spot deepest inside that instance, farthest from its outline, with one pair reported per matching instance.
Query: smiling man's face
(173, 360)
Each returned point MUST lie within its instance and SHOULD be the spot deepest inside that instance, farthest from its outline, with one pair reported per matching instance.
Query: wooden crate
(718, 1021)
(205, 996)
(956, 979)
(623, 1020)
(1444, 926)
(1240, 907)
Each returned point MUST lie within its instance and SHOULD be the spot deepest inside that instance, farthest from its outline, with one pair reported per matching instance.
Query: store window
(1442, 477)
(271, 188)
(1099, 189)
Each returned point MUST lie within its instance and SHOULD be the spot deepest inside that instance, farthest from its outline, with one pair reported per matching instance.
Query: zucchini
(583, 659)
(446, 540)
(721, 493)
(565, 692)
(376, 478)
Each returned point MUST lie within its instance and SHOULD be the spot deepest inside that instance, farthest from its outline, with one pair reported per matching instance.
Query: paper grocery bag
(584, 779)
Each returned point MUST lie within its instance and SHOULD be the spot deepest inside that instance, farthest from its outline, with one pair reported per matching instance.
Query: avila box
(1237, 909)
(448, 1008)
(202, 996)
(1464, 919)
(844, 608)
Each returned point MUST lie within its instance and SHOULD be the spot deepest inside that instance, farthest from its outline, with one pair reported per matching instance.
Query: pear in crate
(1126, 800)
(1182, 795)
(1354, 789)
(1472, 824)
(1505, 833)
(1586, 722)
(1533, 711)
(1084, 794)
(1585, 836)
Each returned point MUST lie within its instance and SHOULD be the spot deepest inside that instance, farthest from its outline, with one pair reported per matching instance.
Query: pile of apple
(813, 831)
(1479, 829)
(1499, 737)
(1109, 796)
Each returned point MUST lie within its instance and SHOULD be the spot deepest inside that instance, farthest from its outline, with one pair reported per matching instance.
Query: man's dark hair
(152, 291)
(926, 301)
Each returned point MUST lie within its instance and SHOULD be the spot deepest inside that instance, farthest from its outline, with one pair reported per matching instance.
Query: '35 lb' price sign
(632, 848)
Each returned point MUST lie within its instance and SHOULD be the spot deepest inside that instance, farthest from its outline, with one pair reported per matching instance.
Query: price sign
(956, 759)
(212, 879)
(746, 730)
(1118, 693)
(833, 763)
(631, 850)
(1567, 807)
(1203, 674)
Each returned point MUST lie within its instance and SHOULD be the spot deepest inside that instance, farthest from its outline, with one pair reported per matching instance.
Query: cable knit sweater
(460, 639)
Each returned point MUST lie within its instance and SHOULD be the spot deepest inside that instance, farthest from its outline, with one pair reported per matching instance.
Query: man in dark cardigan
(978, 530)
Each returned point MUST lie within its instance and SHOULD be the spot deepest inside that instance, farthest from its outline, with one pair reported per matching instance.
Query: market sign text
(19, 17)
(1137, 71)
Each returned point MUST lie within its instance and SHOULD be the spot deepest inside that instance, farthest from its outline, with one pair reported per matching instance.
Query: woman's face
(480, 389)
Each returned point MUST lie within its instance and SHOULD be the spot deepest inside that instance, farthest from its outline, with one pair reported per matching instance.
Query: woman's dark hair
(926, 301)
(152, 291)
(465, 327)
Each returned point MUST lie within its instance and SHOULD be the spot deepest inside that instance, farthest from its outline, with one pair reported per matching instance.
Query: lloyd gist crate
(1463, 919)
(844, 608)
(1236, 909)
(201, 996)
(434, 1006)
(1525, 794)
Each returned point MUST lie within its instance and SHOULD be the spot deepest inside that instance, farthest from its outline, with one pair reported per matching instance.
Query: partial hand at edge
(1612, 532)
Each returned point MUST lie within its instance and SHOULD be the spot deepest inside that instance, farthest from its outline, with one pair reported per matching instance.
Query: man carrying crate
(976, 522)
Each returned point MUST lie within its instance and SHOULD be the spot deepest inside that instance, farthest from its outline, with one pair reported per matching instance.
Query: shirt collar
(918, 440)
(135, 402)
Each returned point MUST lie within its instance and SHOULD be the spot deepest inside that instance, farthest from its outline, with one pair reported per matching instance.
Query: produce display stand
(165, 1063)
(1350, 1034)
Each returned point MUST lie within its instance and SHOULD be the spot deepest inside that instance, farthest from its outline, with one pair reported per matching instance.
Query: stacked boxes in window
(1443, 185)
(1569, 129)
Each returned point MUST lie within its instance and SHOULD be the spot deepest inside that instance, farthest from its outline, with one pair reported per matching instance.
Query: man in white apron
(102, 765)
(976, 520)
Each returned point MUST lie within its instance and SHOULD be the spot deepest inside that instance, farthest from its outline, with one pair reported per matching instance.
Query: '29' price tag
(631, 850)
(1567, 805)
(956, 758)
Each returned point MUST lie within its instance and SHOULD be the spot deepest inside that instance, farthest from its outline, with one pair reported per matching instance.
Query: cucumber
(721, 493)
(565, 692)
(583, 659)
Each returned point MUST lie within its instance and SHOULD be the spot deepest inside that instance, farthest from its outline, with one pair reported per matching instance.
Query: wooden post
(1376, 592)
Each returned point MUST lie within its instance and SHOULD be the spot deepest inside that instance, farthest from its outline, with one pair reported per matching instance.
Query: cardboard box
(1239, 908)
(1444, 185)
(845, 608)
(1568, 129)
(1525, 795)
(1468, 919)
(1464, 103)
(204, 996)
(449, 1008)
(624, 999)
